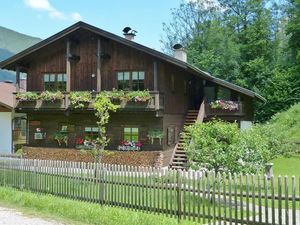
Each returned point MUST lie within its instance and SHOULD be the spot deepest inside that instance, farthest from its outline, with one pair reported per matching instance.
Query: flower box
(130, 146)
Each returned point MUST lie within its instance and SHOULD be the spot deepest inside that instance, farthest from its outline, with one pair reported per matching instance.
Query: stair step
(178, 163)
(179, 159)
(178, 167)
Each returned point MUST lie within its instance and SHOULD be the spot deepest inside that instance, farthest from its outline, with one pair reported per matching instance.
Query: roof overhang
(13, 61)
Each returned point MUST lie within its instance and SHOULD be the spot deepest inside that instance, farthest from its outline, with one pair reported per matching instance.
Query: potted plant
(61, 137)
(152, 134)
(80, 99)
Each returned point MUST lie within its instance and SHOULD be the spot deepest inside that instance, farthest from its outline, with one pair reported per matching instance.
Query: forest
(251, 43)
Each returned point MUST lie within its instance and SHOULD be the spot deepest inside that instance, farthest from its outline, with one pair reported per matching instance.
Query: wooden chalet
(85, 58)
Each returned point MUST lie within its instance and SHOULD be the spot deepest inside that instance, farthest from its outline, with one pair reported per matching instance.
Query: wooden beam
(155, 85)
(99, 65)
(17, 78)
(68, 66)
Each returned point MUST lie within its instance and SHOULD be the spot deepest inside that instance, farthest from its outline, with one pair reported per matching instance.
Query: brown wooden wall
(51, 123)
(52, 59)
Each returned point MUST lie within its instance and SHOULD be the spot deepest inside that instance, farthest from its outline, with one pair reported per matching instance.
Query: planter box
(26, 104)
(52, 105)
(128, 148)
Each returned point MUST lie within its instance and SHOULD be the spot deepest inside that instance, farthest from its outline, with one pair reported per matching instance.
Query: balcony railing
(155, 103)
(210, 111)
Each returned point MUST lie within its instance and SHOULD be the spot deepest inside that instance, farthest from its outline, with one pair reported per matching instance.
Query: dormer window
(131, 80)
(55, 82)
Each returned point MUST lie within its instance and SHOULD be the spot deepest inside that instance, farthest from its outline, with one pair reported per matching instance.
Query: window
(91, 132)
(138, 80)
(123, 80)
(55, 82)
(131, 134)
(131, 80)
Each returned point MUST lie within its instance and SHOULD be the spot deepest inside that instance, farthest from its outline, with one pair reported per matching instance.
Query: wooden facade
(91, 61)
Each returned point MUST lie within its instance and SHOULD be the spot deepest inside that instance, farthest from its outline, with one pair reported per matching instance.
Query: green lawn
(77, 212)
(287, 166)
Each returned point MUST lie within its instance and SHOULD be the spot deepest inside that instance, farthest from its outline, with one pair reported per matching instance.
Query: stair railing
(201, 112)
(173, 154)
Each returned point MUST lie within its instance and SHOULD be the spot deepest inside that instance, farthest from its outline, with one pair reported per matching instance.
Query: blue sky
(43, 18)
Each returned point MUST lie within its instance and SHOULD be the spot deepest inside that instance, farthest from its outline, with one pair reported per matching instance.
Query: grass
(76, 212)
(287, 166)
(288, 122)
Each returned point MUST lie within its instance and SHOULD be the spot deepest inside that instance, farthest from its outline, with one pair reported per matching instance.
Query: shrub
(219, 146)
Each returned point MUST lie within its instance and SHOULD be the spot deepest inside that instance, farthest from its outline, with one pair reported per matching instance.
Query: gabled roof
(13, 61)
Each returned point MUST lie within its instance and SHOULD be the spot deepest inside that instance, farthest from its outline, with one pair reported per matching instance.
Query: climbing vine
(103, 106)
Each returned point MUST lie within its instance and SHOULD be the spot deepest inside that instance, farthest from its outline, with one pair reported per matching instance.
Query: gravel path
(15, 217)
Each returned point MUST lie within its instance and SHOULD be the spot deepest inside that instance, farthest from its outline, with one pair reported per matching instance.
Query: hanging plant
(79, 99)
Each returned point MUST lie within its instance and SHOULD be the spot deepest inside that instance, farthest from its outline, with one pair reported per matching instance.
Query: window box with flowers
(85, 143)
(130, 146)
(224, 105)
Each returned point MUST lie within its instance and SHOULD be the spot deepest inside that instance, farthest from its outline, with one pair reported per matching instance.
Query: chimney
(180, 53)
(129, 34)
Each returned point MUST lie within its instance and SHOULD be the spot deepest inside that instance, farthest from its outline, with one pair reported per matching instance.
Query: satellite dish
(177, 46)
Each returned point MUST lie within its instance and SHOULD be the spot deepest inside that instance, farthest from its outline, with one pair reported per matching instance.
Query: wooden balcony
(154, 104)
(220, 112)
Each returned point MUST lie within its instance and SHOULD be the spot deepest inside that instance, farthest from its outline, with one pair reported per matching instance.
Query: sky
(43, 18)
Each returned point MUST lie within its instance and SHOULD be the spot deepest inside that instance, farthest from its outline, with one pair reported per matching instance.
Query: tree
(244, 42)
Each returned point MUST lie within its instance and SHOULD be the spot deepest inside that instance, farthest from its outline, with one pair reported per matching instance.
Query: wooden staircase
(179, 159)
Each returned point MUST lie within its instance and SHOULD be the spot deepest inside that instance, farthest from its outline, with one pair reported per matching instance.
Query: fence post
(179, 198)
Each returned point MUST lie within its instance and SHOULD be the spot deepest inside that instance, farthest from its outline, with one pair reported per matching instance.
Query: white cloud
(76, 16)
(45, 5)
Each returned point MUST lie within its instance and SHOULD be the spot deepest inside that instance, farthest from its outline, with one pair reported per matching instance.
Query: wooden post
(99, 65)
(155, 86)
(179, 200)
(68, 66)
(17, 78)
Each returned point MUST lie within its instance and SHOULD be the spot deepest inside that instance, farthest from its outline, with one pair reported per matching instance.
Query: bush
(222, 146)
